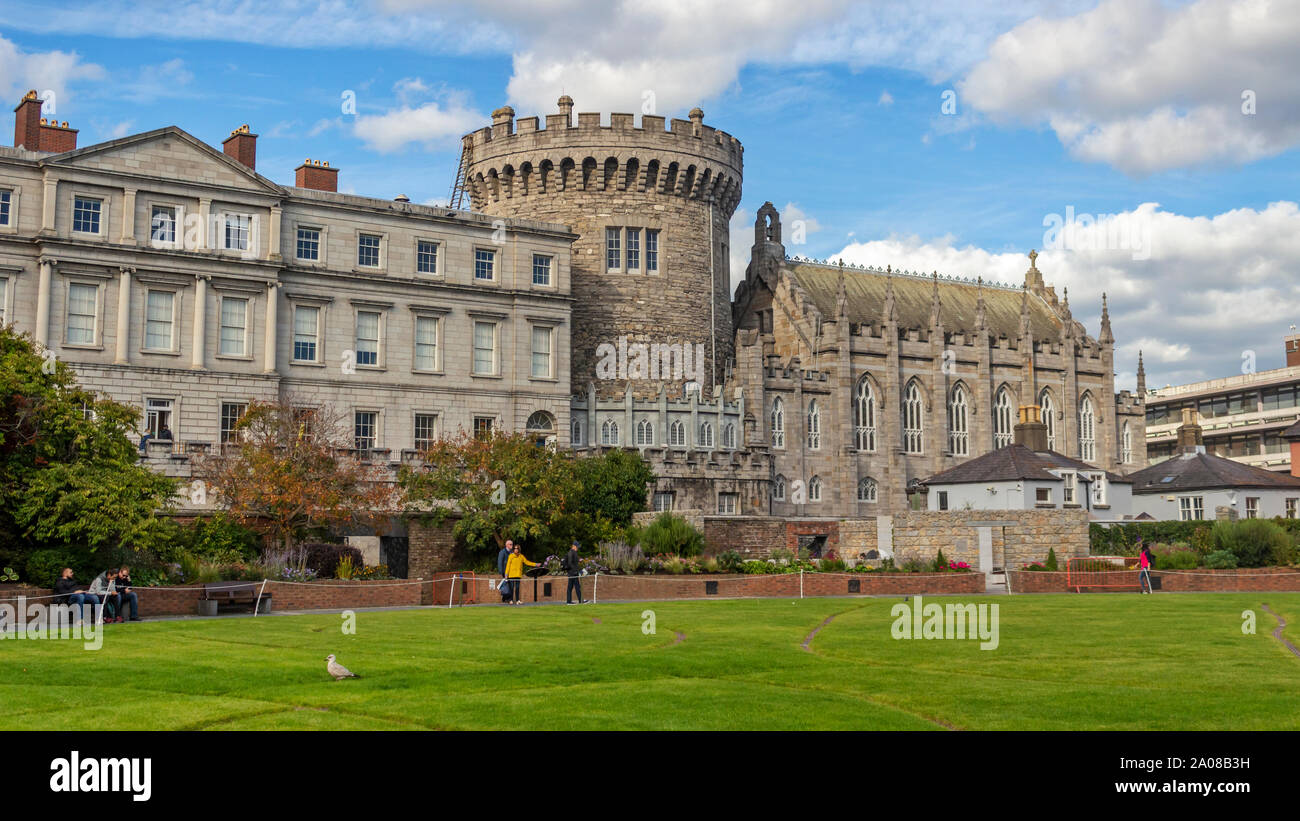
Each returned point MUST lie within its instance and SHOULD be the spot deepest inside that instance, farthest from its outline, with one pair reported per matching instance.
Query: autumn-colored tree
(292, 469)
(502, 487)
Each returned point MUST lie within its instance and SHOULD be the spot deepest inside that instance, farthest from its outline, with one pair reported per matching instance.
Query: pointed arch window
(706, 435)
(1049, 416)
(729, 435)
(864, 415)
(778, 423)
(1002, 416)
(1087, 430)
(778, 488)
(609, 432)
(815, 489)
(1126, 445)
(913, 427)
(814, 425)
(645, 432)
(958, 422)
(867, 489)
(677, 434)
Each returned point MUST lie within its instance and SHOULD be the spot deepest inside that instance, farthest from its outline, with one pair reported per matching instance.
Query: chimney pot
(316, 175)
(241, 145)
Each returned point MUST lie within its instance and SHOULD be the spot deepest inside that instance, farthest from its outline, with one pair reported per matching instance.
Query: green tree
(69, 472)
(502, 487)
(613, 487)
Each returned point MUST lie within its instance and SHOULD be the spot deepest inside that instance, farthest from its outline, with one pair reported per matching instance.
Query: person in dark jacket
(573, 564)
(127, 596)
(502, 557)
(68, 591)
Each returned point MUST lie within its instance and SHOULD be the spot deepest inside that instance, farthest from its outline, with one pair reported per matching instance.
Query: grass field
(1177, 661)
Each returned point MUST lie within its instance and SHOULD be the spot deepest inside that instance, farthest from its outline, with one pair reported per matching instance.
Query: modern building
(1195, 484)
(1243, 417)
(1029, 475)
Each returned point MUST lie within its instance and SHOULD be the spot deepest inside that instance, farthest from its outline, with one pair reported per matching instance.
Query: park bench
(231, 592)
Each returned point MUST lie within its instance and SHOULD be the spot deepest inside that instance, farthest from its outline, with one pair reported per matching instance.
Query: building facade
(1244, 417)
(175, 278)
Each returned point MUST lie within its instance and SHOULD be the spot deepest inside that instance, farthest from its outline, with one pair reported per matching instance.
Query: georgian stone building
(176, 278)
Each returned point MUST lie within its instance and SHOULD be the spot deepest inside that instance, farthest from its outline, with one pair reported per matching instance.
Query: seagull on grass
(338, 670)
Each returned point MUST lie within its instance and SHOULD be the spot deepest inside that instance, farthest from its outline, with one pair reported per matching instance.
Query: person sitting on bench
(105, 586)
(126, 595)
(68, 591)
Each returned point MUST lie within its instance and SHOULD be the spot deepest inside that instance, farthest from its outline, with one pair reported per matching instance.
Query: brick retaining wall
(1244, 579)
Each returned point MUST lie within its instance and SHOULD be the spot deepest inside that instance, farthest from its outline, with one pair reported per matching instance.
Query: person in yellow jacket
(515, 571)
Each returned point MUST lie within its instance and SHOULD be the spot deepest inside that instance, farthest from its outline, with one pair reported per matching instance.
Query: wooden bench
(232, 592)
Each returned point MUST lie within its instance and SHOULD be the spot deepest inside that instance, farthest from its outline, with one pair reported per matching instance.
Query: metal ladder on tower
(456, 199)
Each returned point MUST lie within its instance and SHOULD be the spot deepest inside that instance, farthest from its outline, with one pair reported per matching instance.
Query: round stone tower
(651, 206)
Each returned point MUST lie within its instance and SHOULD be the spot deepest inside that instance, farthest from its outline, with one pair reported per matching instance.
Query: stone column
(43, 302)
(48, 202)
(123, 354)
(273, 233)
(205, 220)
(272, 304)
(200, 321)
(128, 216)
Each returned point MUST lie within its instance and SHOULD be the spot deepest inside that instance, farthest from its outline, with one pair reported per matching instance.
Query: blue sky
(1095, 107)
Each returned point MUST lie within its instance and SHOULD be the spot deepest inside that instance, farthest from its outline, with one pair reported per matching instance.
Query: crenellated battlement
(684, 158)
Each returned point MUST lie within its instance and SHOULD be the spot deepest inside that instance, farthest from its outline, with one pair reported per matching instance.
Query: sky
(1148, 150)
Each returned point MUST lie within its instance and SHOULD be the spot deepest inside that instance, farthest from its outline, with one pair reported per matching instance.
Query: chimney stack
(1189, 433)
(1292, 350)
(1031, 430)
(316, 175)
(503, 122)
(35, 133)
(241, 145)
(565, 104)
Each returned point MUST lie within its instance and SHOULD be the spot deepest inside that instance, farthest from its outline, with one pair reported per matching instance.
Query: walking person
(502, 557)
(1145, 560)
(515, 572)
(573, 564)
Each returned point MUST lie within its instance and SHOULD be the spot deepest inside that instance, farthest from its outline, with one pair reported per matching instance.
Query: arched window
(706, 435)
(677, 434)
(609, 432)
(815, 489)
(1126, 445)
(778, 423)
(1049, 417)
(958, 426)
(1087, 430)
(645, 432)
(1002, 416)
(541, 427)
(814, 426)
(778, 489)
(729, 435)
(864, 416)
(867, 489)
(913, 429)
(575, 430)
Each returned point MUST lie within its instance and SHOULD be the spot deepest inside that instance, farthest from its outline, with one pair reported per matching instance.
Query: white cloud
(434, 125)
(885, 98)
(1147, 86)
(55, 71)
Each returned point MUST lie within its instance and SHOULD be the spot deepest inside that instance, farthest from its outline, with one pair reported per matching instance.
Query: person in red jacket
(1144, 574)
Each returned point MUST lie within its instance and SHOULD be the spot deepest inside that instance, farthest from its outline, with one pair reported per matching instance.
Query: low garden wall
(1173, 581)
(322, 595)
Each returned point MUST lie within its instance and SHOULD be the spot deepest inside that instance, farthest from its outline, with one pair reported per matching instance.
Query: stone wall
(1019, 536)
(431, 549)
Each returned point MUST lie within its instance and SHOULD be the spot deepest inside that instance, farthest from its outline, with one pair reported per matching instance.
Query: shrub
(1175, 556)
(940, 562)
(1220, 560)
(831, 565)
(730, 561)
(913, 564)
(45, 566)
(220, 538)
(324, 557)
(675, 565)
(346, 568)
(672, 534)
(622, 557)
(710, 564)
(758, 567)
(1255, 542)
(1050, 565)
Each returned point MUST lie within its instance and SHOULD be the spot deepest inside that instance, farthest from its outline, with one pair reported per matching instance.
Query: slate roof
(1205, 471)
(958, 301)
(1014, 463)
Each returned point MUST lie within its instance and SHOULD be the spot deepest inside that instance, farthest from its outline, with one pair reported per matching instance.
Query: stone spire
(1142, 377)
(1065, 304)
(1106, 338)
(935, 320)
(1033, 277)
(841, 294)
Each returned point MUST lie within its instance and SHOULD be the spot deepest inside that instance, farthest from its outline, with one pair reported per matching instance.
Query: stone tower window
(778, 423)
(778, 489)
(652, 250)
(815, 489)
(677, 434)
(609, 432)
(814, 426)
(613, 250)
(645, 432)
(1126, 445)
(1049, 417)
(913, 428)
(867, 489)
(1087, 430)
(1002, 415)
(706, 435)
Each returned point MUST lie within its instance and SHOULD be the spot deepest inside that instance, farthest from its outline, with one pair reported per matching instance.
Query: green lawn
(1176, 661)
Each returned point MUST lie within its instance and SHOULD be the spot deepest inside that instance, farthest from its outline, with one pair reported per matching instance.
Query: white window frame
(381, 250)
(496, 347)
(959, 422)
(173, 345)
(97, 332)
(550, 271)
(1069, 488)
(728, 503)
(778, 488)
(1038, 492)
(676, 434)
(864, 415)
(705, 436)
(1087, 430)
(321, 233)
(815, 489)
(103, 215)
(913, 419)
(550, 352)
(10, 225)
(613, 249)
(246, 345)
(610, 436)
(249, 237)
(814, 438)
(437, 257)
(319, 336)
(1191, 508)
(1003, 419)
(221, 420)
(494, 259)
(177, 241)
(415, 427)
(645, 433)
(872, 488)
(658, 251)
(776, 417)
(380, 324)
(437, 319)
(375, 435)
(1252, 507)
